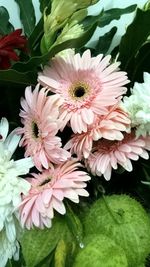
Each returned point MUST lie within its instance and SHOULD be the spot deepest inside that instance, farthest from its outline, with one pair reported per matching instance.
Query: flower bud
(70, 32)
(147, 5)
(64, 15)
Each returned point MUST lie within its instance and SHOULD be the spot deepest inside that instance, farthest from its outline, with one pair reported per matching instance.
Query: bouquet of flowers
(74, 161)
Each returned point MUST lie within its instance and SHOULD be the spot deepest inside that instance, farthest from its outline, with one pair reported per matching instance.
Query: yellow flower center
(79, 90)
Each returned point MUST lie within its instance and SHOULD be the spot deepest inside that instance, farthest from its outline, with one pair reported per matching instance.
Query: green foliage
(9, 264)
(38, 31)
(27, 15)
(100, 250)
(105, 17)
(5, 26)
(74, 225)
(35, 38)
(45, 4)
(48, 261)
(13, 76)
(139, 29)
(105, 41)
(114, 14)
(38, 244)
(61, 254)
(49, 247)
(26, 72)
(34, 62)
(125, 221)
(142, 62)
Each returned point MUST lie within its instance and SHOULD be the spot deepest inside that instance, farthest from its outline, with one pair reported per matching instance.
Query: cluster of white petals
(138, 106)
(7, 249)
(11, 187)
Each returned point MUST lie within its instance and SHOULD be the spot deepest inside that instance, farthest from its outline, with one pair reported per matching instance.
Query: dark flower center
(79, 91)
(35, 129)
(45, 181)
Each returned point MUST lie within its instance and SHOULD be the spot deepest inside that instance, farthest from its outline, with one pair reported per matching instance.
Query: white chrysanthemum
(138, 106)
(7, 249)
(11, 187)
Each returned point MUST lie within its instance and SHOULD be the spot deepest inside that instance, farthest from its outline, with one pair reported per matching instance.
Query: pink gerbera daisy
(106, 155)
(40, 119)
(108, 126)
(87, 85)
(48, 191)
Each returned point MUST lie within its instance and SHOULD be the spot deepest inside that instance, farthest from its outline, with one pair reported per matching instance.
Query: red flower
(8, 45)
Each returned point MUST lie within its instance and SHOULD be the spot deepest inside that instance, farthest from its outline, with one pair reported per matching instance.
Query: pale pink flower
(110, 126)
(87, 85)
(40, 119)
(106, 155)
(48, 191)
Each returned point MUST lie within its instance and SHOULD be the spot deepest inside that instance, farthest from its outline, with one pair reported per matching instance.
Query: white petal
(4, 127)
(23, 165)
(12, 142)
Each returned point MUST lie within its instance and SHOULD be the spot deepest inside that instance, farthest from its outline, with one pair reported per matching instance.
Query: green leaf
(75, 225)
(60, 254)
(105, 41)
(37, 244)
(142, 63)
(105, 17)
(9, 264)
(27, 15)
(114, 14)
(135, 36)
(13, 76)
(34, 62)
(5, 26)
(47, 261)
(35, 38)
(13, 263)
(45, 4)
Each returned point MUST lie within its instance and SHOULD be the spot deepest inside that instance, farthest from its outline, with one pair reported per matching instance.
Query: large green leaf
(135, 36)
(13, 76)
(34, 62)
(5, 26)
(27, 15)
(105, 41)
(37, 244)
(105, 17)
(114, 14)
